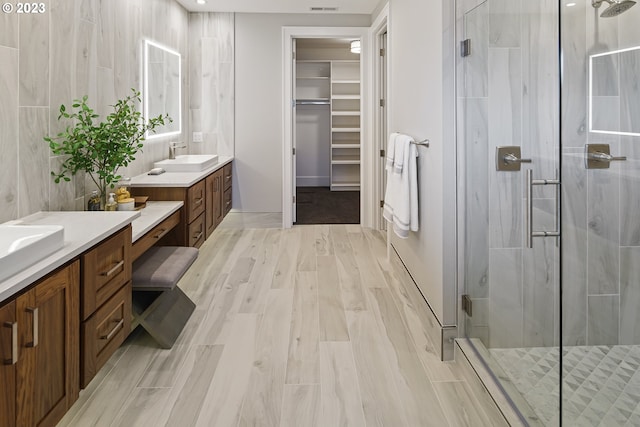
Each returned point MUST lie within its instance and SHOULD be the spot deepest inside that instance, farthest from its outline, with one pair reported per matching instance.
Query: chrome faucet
(172, 148)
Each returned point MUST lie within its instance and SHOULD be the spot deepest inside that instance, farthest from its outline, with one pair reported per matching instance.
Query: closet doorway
(327, 130)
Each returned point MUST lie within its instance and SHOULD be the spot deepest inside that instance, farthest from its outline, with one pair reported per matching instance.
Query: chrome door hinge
(382, 52)
(294, 55)
(467, 305)
(294, 151)
(382, 102)
(382, 203)
(294, 199)
(465, 47)
(382, 153)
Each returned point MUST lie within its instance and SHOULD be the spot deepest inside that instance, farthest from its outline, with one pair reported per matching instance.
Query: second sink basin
(188, 163)
(24, 245)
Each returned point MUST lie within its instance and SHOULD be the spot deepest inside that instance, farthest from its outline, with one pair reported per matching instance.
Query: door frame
(288, 180)
(378, 28)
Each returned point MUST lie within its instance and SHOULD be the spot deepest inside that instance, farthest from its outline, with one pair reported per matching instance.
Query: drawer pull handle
(34, 312)
(228, 203)
(114, 331)
(197, 202)
(160, 233)
(114, 269)
(14, 343)
(197, 236)
(228, 177)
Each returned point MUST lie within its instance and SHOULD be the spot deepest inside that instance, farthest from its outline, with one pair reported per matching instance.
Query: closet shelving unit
(345, 125)
(313, 81)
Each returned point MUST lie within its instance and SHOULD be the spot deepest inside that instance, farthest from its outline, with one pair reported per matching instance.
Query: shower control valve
(508, 158)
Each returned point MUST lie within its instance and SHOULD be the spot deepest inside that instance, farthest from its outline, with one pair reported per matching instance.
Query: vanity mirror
(162, 88)
(614, 95)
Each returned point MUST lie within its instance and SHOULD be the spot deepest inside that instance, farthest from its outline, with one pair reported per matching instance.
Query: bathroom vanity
(206, 196)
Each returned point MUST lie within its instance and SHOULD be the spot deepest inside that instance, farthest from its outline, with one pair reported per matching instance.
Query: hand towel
(391, 151)
(402, 144)
(401, 195)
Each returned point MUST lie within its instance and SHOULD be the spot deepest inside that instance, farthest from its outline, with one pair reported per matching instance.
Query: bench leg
(166, 316)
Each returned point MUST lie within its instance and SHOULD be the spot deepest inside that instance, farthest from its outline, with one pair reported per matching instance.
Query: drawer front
(105, 269)
(226, 203)
(154, 235)
(196, 232)
(227, 171)
(211, 191)
(195, 201)
(104, 332)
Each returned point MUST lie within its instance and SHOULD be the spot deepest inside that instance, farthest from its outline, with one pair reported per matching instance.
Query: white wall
(417, 108)
(258, 146)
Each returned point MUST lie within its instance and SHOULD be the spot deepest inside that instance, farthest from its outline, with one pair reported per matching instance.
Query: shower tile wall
(509, 98)
(601, 222)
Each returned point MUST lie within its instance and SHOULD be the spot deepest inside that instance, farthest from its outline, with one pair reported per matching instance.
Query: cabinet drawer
(195, 201)
(105, 269)
(227, 175)
(154, 235)
(196, 232)
(226, 203)
(103, 332)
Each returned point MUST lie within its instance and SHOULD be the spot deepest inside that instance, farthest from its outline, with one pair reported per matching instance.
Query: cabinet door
(48, 370)
(218, 197)
(210, 219)
(8, 358)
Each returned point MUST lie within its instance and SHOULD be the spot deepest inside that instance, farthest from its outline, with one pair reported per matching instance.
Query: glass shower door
(601, 214)
(508, 89)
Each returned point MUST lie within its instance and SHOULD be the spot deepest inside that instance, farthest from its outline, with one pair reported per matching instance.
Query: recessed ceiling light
(355, 46)
(201, 1)
(570, 4)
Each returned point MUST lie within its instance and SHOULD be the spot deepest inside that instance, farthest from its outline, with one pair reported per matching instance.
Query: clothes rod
(309, 102)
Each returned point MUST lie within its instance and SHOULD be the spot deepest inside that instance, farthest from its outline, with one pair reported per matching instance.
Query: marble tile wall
(75, 48)
(508, 95)
(212, 82)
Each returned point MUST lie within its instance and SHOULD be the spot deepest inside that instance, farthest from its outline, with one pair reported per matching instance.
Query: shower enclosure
(548, 147)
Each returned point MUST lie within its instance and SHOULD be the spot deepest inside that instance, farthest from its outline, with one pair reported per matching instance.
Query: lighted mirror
(614, 93)
(162, 88)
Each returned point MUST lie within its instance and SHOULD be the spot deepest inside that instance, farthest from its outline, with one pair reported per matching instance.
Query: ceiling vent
(323, 9)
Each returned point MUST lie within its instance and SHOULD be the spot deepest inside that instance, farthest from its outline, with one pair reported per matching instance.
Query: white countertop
(153, 214)
(82, 230)
(177, 179)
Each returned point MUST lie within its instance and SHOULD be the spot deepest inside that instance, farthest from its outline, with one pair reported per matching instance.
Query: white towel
(401, 195)
(391, 151)
(402, 144)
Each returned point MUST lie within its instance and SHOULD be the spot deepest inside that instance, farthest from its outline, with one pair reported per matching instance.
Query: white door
(382, 118)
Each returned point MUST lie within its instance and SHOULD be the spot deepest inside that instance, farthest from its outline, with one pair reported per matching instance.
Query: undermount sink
(24, 245)
(188, 163)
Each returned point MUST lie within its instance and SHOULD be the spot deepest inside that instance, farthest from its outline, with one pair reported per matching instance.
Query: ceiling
(280, 6)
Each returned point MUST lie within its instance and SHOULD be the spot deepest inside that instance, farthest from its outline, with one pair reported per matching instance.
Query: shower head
(615, 7)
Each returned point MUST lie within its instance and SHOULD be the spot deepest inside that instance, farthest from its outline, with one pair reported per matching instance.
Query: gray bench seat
(159, 305)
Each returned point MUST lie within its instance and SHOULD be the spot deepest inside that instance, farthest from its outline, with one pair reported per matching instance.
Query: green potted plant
(101, 148)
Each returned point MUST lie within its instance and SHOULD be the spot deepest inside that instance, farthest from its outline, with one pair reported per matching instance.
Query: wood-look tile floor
(302, 327)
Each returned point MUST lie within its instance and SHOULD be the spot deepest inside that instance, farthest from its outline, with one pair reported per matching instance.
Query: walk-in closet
(327, 130)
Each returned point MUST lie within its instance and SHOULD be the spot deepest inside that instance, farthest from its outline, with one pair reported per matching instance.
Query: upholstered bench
(159, 305)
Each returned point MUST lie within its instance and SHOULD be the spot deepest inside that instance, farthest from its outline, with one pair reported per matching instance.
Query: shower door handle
(598, 156)
(530, 234)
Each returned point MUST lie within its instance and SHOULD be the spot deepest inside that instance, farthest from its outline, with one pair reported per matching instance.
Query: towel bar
(423, 143)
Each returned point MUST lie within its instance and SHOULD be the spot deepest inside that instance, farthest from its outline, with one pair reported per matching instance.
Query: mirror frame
(145, 98)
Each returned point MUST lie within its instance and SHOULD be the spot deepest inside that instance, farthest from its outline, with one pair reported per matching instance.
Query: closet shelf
(345, 113)
(345, 160)
(338, 145)
(345, 129)
(345, 81)
(313, 78)
(345, 96)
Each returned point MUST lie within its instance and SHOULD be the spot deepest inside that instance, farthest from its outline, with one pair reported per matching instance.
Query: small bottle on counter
(94, 201)
(111, 203)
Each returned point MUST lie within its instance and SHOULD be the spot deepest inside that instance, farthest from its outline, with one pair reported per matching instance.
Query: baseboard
(313, 181)
(441, 337)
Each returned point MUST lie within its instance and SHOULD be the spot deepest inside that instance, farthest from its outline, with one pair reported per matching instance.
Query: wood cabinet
(205, 205)
(105, 301)
(155, 235)
(40, 349)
